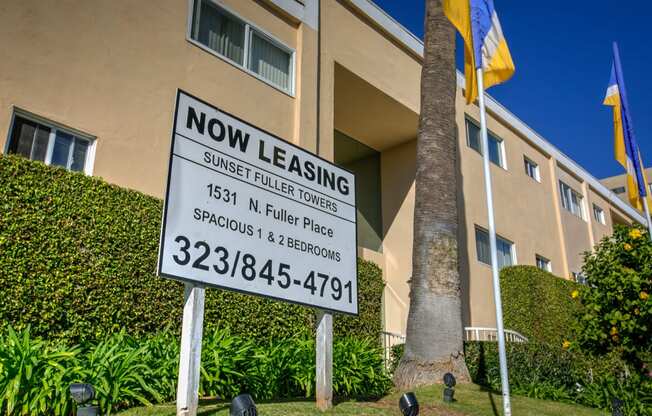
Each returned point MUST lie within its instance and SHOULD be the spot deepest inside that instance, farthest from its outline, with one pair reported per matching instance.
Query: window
(579, 278)
(242, 44)
(598, 214)
(543, 263)
(619, 190)
(496, 146)
(49, 144)
(571, 200)
(531, 169)
(503, 249)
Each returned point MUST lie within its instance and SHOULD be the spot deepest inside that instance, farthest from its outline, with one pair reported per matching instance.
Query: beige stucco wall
(111, 69)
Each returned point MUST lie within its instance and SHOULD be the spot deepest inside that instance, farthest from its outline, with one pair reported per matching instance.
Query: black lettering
(279, 157)
(309, 168)
(329, 179)
(261, 152)
(235, 137)
(211, 130)
(199, 122)
(295, 166)
(343, 185)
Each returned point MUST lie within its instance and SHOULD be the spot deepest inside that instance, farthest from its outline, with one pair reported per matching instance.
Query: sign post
(249, 212)
(324, 364)
(190, 351)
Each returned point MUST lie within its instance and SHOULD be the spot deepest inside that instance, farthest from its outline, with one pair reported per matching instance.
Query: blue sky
(562, 52)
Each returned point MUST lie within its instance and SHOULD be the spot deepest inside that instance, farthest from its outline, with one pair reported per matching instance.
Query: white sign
(247, 211)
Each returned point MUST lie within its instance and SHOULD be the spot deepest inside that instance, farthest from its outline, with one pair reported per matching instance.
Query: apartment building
(90, 86)
(618, 184)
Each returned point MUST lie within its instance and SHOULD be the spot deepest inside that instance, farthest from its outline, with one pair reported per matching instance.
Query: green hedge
(538, 304)
(545, 371)
(78, 261)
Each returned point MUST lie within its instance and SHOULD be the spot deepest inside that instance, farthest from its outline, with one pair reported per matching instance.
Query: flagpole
(502, 354)
(647, 216)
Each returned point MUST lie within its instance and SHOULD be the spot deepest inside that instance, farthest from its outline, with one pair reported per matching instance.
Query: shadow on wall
(462, 240)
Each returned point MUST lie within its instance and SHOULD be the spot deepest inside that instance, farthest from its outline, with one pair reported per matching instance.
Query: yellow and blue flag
(625, 146)
(484, 43)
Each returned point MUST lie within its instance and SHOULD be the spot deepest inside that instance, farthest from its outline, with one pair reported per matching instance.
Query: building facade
(90, 86)
(618, 185)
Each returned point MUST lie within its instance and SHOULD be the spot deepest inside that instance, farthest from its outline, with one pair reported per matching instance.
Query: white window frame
(598, 214)
(566, 193)
(501, 143)
(535, 167)
(54, 127)
(545, 261)
(249, 27)
(512, 246)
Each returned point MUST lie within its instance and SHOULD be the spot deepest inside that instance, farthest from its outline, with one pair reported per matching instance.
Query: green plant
(127, 371)
(115, 367)
(79, 260)
(524, 290)
(546, 371)
(617, 313)
(33, 375)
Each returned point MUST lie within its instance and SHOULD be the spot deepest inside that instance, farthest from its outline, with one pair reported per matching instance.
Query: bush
(545, 371)
(617, 313)
(79, 259)
(127, 371)
(548, 372)
(524, 290)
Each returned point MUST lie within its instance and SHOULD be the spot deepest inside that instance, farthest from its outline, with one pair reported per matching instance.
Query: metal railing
(472, 333)
(389, 339)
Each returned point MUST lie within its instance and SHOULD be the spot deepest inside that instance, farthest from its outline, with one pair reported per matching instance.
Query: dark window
(474, 141)
(48, 144)
(365, 163)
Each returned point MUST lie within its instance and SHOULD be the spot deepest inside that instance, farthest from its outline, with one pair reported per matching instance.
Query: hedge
(78, 260)
(538, 304)
(545, 371)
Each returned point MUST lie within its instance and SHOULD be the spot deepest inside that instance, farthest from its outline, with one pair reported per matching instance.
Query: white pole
(647, 217)
(190, 354)
(324, 360)
(504, 378)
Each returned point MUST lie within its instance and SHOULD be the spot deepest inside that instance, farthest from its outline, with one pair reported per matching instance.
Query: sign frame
(202, 283)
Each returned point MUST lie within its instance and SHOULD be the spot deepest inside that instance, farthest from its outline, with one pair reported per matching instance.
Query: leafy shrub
(34, 375)
(545, 371)
(127, 371)
(79, 259)
(524, 290)
(617, 313)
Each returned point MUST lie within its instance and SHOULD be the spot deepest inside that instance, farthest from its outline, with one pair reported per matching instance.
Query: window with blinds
(45, 142)
(243, 45)
(504, 249)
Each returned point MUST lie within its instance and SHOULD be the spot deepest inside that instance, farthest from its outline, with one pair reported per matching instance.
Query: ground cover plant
(127, 371)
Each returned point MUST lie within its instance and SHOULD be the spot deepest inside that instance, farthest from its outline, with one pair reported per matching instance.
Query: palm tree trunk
(434, 344)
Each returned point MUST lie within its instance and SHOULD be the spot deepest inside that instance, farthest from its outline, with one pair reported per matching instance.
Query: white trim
(535, 165)
(249, 26)
(89, 162)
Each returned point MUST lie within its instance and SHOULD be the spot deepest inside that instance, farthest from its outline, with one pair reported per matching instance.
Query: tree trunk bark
(434, 344)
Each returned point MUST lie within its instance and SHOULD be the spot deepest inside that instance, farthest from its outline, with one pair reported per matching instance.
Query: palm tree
(434, 344)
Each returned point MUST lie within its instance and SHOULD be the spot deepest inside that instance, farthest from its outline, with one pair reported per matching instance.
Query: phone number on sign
(200, 255)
